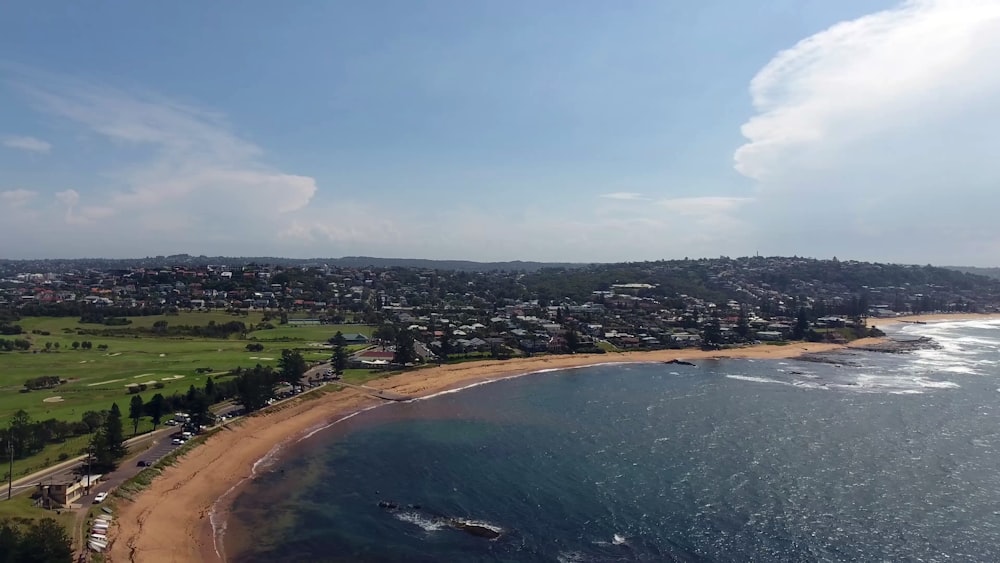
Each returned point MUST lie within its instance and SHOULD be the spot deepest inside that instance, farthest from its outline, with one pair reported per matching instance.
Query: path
(379, 393)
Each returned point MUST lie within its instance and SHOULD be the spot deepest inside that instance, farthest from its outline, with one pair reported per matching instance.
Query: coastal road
(69, 468)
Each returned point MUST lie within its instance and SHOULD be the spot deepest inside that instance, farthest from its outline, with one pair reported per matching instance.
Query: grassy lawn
(96, 378)
(607, 346)
(21, 507)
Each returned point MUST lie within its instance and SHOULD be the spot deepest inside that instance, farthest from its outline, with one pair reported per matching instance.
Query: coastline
(882, 322)
(171, 520)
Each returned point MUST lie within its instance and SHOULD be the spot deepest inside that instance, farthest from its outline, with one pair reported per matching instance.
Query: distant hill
(62, 264)
(459, 265)
(988, 272)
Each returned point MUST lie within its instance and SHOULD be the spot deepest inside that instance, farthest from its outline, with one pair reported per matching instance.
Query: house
(769, 335)
(62, 495)
(355, 338)
(370, 359)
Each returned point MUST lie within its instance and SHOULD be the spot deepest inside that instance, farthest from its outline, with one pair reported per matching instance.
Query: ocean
(860, 456)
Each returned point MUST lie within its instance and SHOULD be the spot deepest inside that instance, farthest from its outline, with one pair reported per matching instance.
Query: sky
(563, 130)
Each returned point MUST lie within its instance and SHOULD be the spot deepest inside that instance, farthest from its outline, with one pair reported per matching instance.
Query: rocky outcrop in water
(474, 529)
(900, 346)
(471, 528)
(677, 362)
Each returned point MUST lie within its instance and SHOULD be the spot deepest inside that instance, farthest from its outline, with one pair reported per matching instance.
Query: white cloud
(873, 129)
(29, 144)
(704, 206)
(192, 162)
(17, 198)
(624, 196)
(867, 75)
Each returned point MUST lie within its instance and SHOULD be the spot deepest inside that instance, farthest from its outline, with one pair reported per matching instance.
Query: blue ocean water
(864, 457)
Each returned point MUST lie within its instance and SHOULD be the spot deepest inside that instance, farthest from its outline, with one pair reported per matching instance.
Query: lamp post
(90, 448)
(10, 473)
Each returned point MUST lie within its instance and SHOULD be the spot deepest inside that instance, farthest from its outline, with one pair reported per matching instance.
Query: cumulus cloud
(866, 131)
(191, 163)
(29, 144)
(17, 198)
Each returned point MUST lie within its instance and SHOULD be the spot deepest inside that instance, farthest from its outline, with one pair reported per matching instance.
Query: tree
(385, 333)
(446, 346)
(10, 542)
(711, 333)
(292, 365)
(254, 387)
(93, 420)
(743, 324)
(135, 412)
(102, 458)
(801, 325)
(76, 345)
(255, 347)
(114, 433)
(46, 542)
(405, 351)
(572, 341)
(210, 389)
(155, 409)
(20, 433)
(339, 353)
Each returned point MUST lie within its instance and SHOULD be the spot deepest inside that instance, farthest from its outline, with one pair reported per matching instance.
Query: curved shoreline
(172, 520)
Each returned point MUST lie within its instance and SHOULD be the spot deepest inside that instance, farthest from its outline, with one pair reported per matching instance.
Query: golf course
(97, 365)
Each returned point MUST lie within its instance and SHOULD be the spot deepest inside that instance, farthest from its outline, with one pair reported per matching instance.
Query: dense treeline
(43, 382)
(86, 310)
(28, 437)
(24, 541)
(15, 344)
(164, 328)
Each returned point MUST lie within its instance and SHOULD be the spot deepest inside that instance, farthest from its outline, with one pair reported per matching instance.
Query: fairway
(96, 378)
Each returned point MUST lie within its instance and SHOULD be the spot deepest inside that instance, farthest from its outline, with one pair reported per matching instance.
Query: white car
(100, 498)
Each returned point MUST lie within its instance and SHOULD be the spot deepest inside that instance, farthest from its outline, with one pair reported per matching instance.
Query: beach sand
(931, 318)
(170, 521)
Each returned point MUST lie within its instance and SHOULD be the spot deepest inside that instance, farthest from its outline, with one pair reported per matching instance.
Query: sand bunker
(163, 355)
(56, 399)
(104, 382)
(172, 377)
(113, 355)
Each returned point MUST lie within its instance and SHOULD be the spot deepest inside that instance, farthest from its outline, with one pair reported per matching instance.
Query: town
(504, 313)
(214, 338)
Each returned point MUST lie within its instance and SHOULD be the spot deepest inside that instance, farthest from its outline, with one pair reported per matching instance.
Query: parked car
(100, 498)
(177, 441)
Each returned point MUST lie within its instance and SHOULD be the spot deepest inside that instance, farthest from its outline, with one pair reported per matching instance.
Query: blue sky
(582, 131)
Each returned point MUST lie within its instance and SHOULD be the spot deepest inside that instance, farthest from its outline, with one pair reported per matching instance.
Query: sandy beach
(931, 318)
(170, 521)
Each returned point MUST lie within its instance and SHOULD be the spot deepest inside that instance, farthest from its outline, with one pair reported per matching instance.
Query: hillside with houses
(460, 314)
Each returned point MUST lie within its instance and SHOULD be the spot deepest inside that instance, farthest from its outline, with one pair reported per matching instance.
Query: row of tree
(15, 344)
(42, 541)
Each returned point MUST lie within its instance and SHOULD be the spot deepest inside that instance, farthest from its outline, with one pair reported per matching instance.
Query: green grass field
(96, 378)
